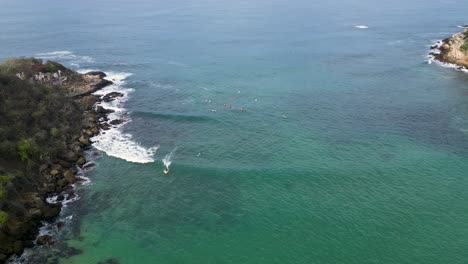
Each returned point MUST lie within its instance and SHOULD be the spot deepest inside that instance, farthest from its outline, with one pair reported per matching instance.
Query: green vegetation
(3, 217)
(37, 121)
(24, 148)
(464, 47)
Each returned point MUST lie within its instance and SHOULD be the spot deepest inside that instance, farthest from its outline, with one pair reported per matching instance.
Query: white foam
(66, 57)
(361, 26)
(117, 144)
(114, 142)
(56, 53)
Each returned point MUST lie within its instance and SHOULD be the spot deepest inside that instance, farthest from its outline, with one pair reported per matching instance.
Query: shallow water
(352, 149)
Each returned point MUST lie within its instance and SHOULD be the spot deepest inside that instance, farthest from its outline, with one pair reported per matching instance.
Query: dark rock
(102, 110)
(43, 167)
(18, 247)
(96, 73)
(70, 252)
(69, 156)
(81, 161)
(84, 140)
(111, 96)
(60, 225)
(72, 195)
(60, 198)
(44, 240)
(69, 175)
(65, 164)
(89, 165)
(103, 83)
(51, 211)
(116, 122)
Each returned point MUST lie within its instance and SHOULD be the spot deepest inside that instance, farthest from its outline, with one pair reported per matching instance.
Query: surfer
(166, 171)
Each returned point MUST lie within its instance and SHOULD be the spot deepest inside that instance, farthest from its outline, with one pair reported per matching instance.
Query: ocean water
(351, 148)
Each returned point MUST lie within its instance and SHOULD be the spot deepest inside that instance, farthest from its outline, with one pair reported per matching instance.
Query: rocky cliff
(47, 117)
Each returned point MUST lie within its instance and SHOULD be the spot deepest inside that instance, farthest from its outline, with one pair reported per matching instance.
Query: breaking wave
(114, 142)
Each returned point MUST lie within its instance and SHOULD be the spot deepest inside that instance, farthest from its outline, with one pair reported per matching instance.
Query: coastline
(451, 51)
(58, 175)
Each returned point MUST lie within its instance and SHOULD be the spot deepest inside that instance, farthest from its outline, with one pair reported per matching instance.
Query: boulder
(100, 74)
(445, 47)
(83, 140)
(81, 161)
(89, 165)
(51, 211)
(111, 96)
(44, 240)
(54, 172)
(69, 175)
(102, 110)
(69, 156)
(103, 83)
(116, 122)
(65, 164)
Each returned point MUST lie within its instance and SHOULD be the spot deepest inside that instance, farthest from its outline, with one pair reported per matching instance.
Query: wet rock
(83, 140)
(116, 122)
(51, 211)
(60, 198)
(60, 225)
(44, 240)
(81, 161)
(71, 195)
(100, 74)
(111, 96)
(70, 252)
(102, 110)
(89, 165)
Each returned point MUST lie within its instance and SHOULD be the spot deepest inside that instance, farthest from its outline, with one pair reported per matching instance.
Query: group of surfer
(225, 106)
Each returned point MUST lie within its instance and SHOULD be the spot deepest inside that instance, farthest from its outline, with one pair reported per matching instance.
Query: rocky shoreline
(452, 50)
(57, 175)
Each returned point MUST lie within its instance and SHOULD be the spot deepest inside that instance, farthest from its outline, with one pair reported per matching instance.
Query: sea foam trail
(66, 57)
(361, 26)
(168, 159)
(114, 142)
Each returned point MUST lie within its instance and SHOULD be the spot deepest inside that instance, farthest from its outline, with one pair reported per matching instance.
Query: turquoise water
(352, 149)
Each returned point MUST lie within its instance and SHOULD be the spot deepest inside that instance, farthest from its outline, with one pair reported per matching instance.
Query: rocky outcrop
(58, 173)
(453, 50)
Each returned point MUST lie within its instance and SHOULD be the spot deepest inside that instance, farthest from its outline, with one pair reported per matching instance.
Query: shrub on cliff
(464, 47)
